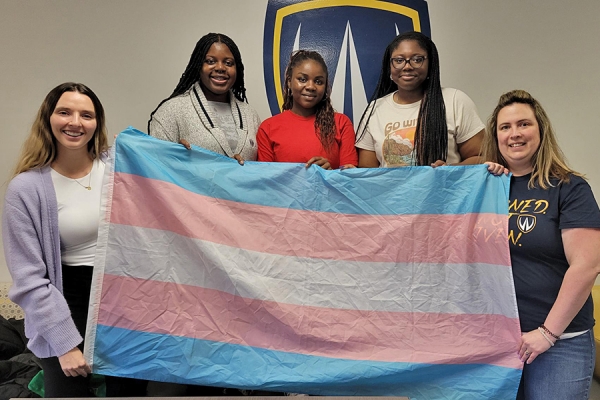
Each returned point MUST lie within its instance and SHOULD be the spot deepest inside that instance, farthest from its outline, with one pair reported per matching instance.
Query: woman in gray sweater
(208, 108)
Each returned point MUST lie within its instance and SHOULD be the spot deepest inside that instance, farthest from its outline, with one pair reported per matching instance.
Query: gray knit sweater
(182, 117)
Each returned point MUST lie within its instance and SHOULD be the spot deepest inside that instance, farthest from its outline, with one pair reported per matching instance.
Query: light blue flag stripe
(418, 189)
(201, 362)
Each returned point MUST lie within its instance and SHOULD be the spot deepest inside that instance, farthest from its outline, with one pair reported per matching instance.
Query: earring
(391, 79)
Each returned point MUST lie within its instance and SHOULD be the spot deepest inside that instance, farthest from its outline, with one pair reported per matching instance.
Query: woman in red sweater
(308, 130)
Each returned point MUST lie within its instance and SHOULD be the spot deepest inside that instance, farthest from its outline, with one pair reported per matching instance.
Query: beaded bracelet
(549, 332)
(545, 337)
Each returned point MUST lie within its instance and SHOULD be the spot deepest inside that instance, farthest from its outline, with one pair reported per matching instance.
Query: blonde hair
(39, 149)
(548, 161)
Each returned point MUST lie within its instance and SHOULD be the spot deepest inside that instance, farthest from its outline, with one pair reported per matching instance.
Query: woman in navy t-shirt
(554, 237)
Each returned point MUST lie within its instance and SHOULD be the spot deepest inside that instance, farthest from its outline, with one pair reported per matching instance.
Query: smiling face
(73, 122)
(518, 137)
(218, 73)
(409, 79)
(308, 83)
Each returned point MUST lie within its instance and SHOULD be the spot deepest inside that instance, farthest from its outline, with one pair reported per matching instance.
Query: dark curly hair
(191, 75)
(324, 121)
(431, 134)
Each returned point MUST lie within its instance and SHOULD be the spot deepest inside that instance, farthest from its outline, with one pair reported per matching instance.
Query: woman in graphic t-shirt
(412, 120)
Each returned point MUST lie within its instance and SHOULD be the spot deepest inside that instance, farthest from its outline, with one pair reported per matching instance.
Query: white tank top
(79, 214)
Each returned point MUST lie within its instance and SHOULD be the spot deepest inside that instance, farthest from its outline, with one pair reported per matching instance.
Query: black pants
(57, 384)
(77, 283)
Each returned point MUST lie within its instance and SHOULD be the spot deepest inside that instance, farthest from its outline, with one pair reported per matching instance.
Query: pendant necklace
(89, 185)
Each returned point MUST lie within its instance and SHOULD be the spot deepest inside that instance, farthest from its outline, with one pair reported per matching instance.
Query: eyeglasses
(414, 61)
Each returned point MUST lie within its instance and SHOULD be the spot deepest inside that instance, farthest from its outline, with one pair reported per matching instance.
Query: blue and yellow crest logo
(351, 35)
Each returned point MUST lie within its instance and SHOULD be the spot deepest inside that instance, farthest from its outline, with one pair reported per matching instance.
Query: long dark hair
(324, 120)
(431, 134)
(191, 75)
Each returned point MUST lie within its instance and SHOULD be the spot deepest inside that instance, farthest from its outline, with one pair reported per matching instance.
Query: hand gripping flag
(277, 277)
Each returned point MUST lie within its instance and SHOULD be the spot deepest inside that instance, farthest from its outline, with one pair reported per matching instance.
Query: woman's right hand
(185, 144)
(532, 345)
(73, 363)
(320, 161)
(496, 169)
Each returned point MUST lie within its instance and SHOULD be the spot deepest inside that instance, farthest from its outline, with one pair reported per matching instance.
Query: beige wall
(132, 53)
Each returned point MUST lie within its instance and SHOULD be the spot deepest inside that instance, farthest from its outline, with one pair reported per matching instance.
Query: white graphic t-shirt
(391, 129)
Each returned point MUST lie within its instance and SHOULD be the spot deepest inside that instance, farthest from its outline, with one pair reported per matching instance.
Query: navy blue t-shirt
(536, 217)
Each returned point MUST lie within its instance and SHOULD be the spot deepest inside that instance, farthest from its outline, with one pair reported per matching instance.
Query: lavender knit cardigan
(32, 250)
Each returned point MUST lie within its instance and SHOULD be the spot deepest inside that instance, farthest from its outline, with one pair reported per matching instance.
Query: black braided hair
(431, 134)
(324, 120)
(191, 75)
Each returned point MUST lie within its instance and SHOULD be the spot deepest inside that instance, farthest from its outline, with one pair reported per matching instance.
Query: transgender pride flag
(272, 276)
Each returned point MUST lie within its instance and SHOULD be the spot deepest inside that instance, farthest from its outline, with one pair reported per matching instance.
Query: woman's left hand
(532, 345)
(239, 159)
(320, 161)
(347, 166)
(438, 163)
(496, 169)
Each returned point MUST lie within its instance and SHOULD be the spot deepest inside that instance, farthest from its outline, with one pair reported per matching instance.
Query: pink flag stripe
(208, 314)
(471, 238)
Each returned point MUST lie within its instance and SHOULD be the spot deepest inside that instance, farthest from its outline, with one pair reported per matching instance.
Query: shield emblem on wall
(351, 35)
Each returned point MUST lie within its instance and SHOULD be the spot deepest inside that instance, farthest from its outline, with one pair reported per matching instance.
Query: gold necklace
(89, 185)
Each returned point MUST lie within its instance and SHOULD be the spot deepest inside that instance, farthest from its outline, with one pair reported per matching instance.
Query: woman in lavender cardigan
(50, 228)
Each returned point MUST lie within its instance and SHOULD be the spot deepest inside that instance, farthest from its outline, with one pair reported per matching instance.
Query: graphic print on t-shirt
(399, 142)
(525, 212)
